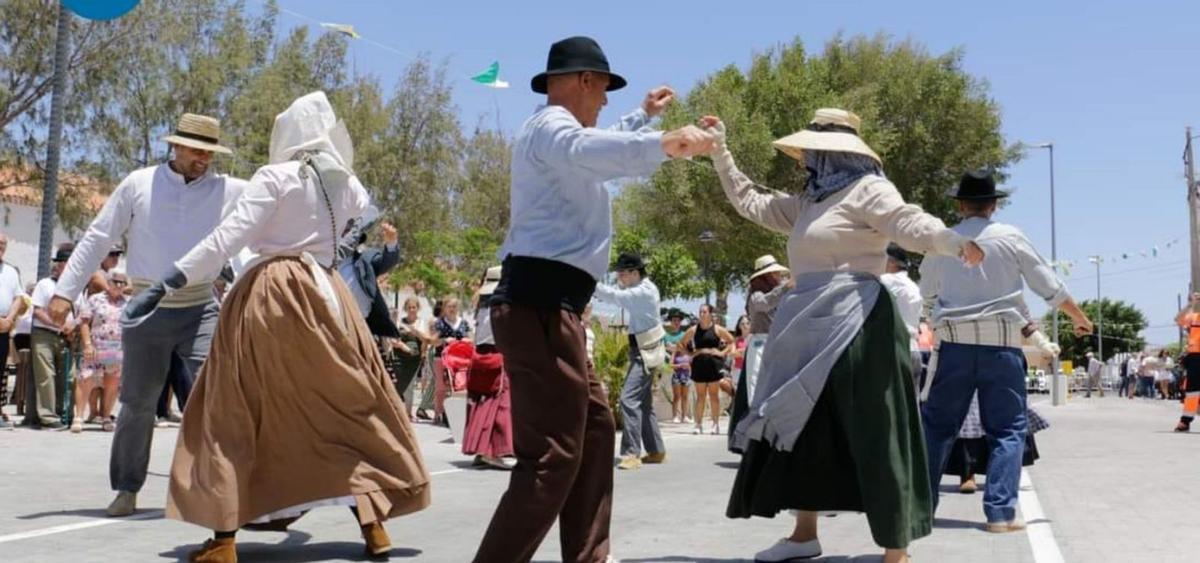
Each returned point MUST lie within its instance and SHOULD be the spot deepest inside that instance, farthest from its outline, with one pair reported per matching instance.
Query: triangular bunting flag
(491, 77)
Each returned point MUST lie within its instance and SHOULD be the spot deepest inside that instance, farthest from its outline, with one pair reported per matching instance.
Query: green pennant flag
(491, 77)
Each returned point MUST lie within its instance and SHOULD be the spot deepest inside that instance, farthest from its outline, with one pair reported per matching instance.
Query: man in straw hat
(981, 320)
(162, 212)
(768, 284)
(557, 246)
(647, 357)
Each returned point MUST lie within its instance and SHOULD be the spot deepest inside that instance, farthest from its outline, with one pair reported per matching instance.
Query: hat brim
(193, 143)
(615, 81)
(770, 269)
(488, 288)
(795, 144)
(1000, 194)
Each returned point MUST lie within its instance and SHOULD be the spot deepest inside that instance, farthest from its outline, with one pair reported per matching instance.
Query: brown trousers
(563, 436)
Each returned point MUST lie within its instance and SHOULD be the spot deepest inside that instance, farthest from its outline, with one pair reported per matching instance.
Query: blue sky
(1112, 84)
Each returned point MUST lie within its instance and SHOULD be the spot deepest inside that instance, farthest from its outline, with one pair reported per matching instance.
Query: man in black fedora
(981, 321)
(639, 297)
(556, 249)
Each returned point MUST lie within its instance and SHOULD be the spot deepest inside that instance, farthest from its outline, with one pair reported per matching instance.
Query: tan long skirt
(291, 409)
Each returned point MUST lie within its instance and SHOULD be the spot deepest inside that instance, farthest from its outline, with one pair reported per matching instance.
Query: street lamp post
(706, 239)
(1057, 395)
(1099, 309)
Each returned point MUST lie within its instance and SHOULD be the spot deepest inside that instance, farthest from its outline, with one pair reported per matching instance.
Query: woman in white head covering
(293, 408)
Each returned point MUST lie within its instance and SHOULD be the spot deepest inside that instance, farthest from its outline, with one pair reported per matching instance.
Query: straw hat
(198, 132)
(766, 264)
(490, 280)
(830, 130)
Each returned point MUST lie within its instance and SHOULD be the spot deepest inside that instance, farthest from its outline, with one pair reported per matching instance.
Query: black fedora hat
(977, 185)
(576, 54)
(630, 261)
(898, 254)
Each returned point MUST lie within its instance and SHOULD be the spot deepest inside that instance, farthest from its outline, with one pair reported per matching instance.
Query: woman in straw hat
(293, 408)
(767, 288)
(833, 423)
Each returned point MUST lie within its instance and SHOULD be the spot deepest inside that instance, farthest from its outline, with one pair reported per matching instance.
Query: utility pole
(62, 43)
(1189, 161)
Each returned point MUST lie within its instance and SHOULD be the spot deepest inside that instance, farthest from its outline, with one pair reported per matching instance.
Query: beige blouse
(847, 231)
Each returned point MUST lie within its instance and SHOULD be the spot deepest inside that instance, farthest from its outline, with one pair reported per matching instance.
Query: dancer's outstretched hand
(971, 254)
(143, 304)
(716, 127)
(686, 142)
(657, 100)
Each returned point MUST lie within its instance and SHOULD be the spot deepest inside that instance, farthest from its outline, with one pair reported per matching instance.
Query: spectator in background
(1146, 374)
(1133, 366)
(1094, 369)
(450, 327)
(50, 346)
(25, 388)
(908, 301)
(100, 331)
(681, 367)
(408, 350)
(10, 308)
(1163, 375)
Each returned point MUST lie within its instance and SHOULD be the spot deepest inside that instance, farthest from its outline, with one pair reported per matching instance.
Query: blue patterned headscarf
(831, 171)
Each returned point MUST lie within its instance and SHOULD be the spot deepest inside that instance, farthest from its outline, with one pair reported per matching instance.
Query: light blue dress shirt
(560, 208)
(996, 287)
(640, 301)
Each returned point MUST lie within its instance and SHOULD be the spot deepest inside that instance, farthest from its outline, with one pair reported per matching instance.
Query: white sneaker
(697, 430)
(677, 420)
(788, 550)
(688, 419)
(715, 430)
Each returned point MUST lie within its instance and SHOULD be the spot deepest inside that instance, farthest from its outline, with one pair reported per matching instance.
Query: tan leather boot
(377, 540)
(215, 551)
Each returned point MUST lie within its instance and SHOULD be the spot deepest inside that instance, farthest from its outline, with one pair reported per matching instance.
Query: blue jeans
(998, 374)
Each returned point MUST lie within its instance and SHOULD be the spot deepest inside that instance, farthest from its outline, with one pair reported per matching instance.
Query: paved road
(1113, 485)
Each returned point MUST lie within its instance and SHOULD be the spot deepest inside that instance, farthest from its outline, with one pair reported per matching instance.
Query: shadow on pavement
(89, 513)
(950, 523)
(728, 464)
(296, 549)
(687, 559)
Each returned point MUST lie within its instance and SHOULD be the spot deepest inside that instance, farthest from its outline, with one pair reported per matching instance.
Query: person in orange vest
(1189, 319)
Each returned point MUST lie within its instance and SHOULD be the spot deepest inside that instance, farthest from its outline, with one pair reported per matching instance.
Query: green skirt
(862, 449)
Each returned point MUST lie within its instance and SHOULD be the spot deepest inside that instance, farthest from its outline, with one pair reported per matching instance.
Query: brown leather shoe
(658, 457)
(377, 540)
(215, 551)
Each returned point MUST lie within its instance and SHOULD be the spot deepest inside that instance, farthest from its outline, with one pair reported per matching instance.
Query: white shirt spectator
(41, 298)
(908, 300)
(10, 287)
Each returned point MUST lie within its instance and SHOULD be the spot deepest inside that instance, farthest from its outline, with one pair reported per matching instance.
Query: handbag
(651, 347)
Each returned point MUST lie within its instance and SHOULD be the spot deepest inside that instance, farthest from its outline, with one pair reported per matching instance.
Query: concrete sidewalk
(1113, 484)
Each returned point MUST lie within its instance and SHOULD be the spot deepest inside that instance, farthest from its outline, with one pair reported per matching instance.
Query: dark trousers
(563, 437)
(4, 342)
(179, 380)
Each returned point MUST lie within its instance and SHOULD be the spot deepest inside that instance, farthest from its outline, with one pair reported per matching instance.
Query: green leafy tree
(1123, 324)
(927, 118)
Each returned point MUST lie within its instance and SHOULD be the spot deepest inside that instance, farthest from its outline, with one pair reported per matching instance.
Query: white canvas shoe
(786, 551)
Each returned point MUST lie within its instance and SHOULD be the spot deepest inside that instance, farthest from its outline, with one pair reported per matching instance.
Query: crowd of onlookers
(1150, 375)
(68, 375)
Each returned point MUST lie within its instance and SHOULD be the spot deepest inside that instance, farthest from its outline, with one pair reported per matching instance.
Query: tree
(1123, 323)
(483, 197)
(668, 264)
(927, 118)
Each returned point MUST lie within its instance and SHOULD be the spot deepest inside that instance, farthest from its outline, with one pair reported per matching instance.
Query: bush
(611, 362)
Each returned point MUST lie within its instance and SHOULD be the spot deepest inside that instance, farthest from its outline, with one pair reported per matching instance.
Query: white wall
(22, 224)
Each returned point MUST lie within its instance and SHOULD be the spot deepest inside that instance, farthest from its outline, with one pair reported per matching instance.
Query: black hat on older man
(631, 261)
(978, 185)
(898, 255)
(576, 54)
(64, 252)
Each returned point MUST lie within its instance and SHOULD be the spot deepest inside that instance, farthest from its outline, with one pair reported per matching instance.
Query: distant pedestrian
(1094, 370)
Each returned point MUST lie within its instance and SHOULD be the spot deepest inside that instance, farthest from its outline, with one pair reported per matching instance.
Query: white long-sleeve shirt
(908, 301)
(279, 215)
(560, 207)
(163, 217)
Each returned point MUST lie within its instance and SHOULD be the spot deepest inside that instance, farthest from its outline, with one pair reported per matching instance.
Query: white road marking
(97, 522)
(1041, 535)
